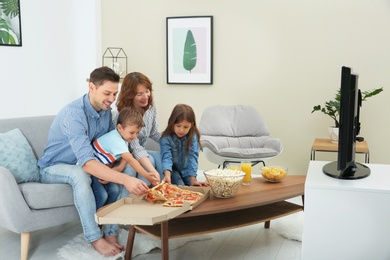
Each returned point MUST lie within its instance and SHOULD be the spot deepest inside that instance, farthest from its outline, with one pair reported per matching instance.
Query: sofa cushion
(45, 196)
(18, 157)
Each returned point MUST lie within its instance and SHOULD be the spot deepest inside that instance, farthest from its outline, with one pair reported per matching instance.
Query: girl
(180, 147)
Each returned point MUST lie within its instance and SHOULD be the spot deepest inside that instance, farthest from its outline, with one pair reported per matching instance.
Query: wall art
(189, 50)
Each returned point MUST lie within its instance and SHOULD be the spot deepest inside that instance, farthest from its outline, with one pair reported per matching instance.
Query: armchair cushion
(242, 147)
(18, 157)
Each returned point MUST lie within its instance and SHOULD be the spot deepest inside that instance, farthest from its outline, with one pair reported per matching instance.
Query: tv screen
(350, 102)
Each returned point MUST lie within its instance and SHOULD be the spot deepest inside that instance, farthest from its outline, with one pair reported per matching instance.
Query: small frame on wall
(10, 24)
(190, 50)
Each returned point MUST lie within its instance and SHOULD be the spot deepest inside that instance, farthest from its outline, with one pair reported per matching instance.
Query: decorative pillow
(17, 156)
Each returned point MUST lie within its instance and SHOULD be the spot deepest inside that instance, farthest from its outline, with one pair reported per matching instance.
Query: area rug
(290, 227)
(78, 249)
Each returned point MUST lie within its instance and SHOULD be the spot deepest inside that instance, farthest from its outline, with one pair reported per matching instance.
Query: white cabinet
(346, 219)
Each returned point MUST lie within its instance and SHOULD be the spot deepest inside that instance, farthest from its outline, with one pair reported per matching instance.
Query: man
(69, 158)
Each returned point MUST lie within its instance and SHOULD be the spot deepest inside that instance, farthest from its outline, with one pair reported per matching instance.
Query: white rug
(290, 227)
(78, 249)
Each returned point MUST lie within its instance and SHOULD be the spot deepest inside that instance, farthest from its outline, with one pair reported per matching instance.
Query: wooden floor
(251, 242)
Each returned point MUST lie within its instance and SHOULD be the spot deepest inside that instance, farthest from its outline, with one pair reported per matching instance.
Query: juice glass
(246, 166)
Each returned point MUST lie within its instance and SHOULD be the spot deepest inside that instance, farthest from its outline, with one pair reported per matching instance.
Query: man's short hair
(100, 75)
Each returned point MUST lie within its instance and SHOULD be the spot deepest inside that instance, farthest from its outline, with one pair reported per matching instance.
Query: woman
(136, 92)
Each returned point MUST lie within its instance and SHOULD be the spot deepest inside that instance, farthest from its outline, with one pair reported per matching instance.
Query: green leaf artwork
(189, 56)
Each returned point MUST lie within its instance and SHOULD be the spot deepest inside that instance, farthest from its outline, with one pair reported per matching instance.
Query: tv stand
(346, 219)
(359, 171)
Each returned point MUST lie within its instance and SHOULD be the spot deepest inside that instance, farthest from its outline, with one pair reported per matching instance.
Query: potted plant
(332, 109)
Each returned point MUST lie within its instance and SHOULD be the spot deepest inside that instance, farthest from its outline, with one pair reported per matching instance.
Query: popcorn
(224, 183)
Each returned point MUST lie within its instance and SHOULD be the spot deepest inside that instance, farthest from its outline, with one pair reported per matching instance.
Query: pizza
(172, 196)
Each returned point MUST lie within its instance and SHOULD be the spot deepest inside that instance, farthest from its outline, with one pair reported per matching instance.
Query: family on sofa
(69, 160)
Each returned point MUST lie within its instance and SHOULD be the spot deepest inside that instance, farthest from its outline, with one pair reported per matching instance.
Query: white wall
(61, 46)
(282, 57)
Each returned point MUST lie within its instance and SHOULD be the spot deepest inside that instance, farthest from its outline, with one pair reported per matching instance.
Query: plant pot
(334, 134)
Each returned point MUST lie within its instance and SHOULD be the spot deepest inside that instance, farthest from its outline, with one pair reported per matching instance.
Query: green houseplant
(332, 107)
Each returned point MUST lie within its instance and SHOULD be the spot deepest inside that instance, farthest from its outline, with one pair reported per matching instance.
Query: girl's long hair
(179, 113)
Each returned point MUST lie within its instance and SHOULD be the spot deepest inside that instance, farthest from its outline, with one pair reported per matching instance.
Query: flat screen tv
(349, 126)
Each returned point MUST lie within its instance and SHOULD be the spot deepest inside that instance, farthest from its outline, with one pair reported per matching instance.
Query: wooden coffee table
(259, 202)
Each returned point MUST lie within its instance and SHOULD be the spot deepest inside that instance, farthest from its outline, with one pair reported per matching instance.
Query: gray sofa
(32, 206)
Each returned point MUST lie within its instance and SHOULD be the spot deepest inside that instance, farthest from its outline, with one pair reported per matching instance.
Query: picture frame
(189, 42)
(10, 23)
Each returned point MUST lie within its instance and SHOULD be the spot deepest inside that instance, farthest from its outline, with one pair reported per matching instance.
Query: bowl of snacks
(274, 173)
(224, 183)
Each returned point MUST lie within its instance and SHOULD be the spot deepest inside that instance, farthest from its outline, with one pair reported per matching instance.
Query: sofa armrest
(14, 209)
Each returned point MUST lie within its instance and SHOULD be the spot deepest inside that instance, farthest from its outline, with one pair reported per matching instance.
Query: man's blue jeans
(84, 199)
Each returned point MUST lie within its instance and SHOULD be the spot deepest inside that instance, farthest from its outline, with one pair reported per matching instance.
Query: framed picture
(190, 50)
(10, 25)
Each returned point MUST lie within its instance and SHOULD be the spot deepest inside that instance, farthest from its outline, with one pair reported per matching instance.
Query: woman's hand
(154, 178)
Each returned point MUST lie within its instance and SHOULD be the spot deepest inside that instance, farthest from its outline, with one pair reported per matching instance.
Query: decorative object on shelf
(116, 59)
(334, 134)
(332, 109)
(189, 50)
(10, 25)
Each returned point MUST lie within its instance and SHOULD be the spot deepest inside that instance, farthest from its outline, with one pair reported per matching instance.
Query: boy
(112, 149)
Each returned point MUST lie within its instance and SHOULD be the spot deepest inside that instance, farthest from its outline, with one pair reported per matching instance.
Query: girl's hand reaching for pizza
(167, 177)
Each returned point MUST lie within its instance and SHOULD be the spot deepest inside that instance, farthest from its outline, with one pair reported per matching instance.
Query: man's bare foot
(114, 240)
(105, 248)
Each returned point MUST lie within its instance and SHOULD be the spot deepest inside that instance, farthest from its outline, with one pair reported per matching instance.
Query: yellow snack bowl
(274, 173)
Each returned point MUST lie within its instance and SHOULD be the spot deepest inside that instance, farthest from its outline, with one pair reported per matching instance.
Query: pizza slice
(171, 195)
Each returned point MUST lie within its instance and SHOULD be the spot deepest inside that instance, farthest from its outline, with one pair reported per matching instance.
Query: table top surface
(321, 144)
(259, 192)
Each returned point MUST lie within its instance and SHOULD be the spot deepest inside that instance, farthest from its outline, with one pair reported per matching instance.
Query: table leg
(164, 241)
(267, 224)
(130, 242)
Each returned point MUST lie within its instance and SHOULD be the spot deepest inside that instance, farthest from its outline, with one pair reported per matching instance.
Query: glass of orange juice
(246, 166)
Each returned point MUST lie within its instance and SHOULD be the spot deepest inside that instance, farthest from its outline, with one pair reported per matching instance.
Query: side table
(325, 145)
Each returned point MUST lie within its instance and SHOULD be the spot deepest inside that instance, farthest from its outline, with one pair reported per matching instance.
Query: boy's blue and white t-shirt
(109, 147)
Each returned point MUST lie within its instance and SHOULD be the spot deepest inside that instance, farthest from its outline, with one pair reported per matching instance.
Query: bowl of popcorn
(224, 183)
(274, 173)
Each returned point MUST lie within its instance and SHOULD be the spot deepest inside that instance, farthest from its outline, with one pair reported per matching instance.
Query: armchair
(235, 133)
